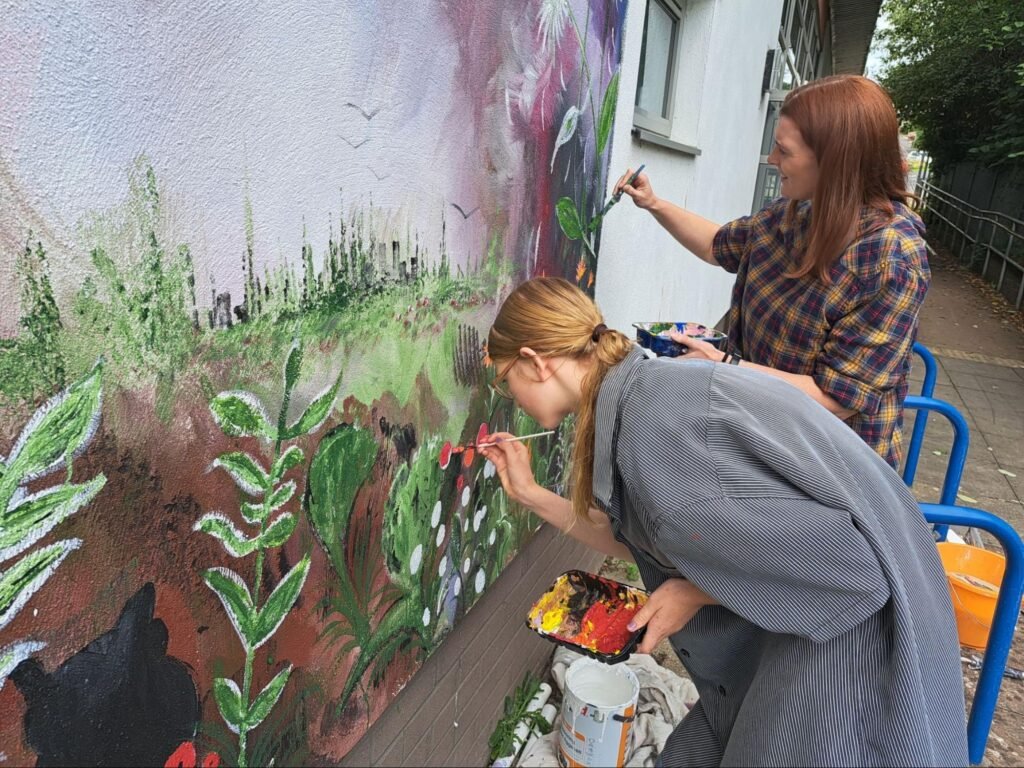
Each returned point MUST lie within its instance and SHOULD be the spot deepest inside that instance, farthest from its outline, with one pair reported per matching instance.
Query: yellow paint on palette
(552, 619)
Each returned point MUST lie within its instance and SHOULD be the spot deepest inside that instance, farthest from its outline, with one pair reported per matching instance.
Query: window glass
(656, 58)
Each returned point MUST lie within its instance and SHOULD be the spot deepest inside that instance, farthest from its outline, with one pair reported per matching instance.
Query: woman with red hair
(829, 277)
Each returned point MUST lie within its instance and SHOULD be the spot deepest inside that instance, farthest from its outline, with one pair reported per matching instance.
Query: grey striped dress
(834, 642)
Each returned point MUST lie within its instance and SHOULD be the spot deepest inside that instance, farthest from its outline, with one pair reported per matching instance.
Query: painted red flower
(467, 457)
(446, 455)
(481, 434)
(185, 757)
(460, 483)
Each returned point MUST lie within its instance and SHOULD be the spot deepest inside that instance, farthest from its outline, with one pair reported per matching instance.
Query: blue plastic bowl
(648, 338)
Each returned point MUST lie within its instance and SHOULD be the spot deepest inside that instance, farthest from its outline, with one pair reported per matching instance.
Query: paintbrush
(489, 443)
(618, 195)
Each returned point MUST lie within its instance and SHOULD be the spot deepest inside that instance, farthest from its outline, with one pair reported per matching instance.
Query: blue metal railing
(1004, 621)
(957, 454)
(921, 420)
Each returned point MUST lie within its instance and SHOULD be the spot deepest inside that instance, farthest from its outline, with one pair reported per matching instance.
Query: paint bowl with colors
(589, 614)
(655, 336)
(598, 710)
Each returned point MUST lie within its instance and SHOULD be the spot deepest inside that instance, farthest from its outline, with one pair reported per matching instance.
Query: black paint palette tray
(589, 614)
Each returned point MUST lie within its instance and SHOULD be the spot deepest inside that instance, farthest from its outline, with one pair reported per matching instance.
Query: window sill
(645, 136)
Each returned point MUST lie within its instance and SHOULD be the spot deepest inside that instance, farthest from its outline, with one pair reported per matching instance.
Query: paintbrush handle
(513, 439)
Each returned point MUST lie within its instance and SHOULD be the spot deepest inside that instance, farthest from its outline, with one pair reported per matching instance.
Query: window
(798, 55)
(655, 87)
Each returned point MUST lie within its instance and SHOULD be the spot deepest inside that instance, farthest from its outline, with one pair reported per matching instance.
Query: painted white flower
(551, 20)
(480, 580)
(442, 566)
(435, 516)
(416, 559)
(478, 518)
(465, 524)
(492, 537)
(465, 566)
(465, 496)
(440, 535)
(457, 586)
(426, 617)
(490, 470)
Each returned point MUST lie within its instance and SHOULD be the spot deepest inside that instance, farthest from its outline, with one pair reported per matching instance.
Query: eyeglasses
(499, 385)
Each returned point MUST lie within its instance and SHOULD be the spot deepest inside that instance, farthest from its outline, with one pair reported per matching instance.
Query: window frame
(642, 119)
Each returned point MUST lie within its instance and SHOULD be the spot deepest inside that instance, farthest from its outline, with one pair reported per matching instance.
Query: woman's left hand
(669, 608)
(697, 349)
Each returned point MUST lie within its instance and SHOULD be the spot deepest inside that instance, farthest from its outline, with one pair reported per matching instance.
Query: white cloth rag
(664, 700)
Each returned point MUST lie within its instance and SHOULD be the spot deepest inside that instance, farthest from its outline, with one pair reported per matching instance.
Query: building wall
(248, 257)
(644, 273)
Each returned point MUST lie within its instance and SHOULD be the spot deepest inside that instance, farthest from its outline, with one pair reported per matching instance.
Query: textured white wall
(643, 273)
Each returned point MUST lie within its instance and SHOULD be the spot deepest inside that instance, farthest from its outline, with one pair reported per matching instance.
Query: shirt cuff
(847, 391)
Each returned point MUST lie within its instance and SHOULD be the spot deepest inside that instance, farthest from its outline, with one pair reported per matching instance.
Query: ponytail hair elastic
(598, 330)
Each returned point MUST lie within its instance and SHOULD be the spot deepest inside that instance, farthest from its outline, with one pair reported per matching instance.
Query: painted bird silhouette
(465, 215)
(354, 146)
(377, 175)
(363, 112)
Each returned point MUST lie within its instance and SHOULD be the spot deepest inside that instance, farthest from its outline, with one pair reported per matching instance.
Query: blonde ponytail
(556, 319)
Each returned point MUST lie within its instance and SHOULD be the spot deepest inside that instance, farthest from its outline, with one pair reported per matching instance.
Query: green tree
(956, 74)
(40, 322)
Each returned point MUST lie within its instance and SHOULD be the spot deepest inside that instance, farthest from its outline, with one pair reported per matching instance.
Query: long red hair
(850, 124)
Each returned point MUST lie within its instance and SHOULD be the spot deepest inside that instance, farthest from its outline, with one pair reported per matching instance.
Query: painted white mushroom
(416, 559)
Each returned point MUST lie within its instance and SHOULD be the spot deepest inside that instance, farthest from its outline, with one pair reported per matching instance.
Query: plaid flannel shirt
(853, 336)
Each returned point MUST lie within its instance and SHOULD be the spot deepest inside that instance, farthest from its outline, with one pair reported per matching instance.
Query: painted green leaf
(241, 414)
(19, 582)
(12, 655)
(36, 515)
(342, 463)
(407, 537)
(287, 461)
(279, 603)
(267, 698)
(281, 496)
(315, 414)
(60, 428)
(222, 529)
(253, 513)
(292, 366)
(569, 122)
(569, 218)
(278, 532)
(229, 702)
(604, 123)
(236, 600)
(245, 471)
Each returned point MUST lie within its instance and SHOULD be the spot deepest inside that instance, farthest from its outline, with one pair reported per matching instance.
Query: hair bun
(598, 330)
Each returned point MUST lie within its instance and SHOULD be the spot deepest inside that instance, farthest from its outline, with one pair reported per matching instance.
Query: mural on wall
(248, 257)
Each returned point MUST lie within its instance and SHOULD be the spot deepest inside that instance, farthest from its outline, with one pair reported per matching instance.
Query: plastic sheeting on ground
(664, 700)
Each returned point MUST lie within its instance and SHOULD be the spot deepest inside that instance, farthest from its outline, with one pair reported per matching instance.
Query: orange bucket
(974, 576)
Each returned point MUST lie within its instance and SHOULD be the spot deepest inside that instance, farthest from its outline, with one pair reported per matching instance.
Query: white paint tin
(598, 709)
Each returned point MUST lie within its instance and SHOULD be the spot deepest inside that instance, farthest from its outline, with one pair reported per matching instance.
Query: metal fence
(988, 242)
